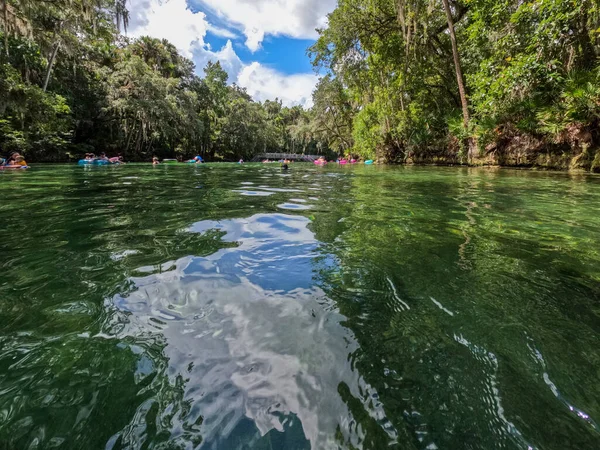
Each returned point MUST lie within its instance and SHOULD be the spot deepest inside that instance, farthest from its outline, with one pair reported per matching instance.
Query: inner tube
(369, 162)
(320, 163)
(13, 167)
(93, 162)
(343, 161)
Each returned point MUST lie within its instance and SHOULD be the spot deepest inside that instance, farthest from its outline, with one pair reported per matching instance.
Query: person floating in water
(155, 161)
(116, 160)
(198, 159)
(16, 160)
(20, 161)
(241, 161)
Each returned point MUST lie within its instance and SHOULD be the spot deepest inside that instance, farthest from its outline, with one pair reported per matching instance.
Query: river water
(242, 307)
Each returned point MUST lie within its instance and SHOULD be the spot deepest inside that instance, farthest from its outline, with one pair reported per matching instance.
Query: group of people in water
(196, 160)
(321, 161)
(14, 161)
(114, 160)
(17, 161)
(281, 161)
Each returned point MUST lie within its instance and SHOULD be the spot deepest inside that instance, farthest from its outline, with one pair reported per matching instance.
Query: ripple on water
(294, 206)
(272, 189)
(244, 328)
(412, 311)
(254, 193)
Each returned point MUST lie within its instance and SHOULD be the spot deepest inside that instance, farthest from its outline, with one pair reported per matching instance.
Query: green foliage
(367, 132)
(31, 121)
(332, 115)
(531, 67)
(70, 84)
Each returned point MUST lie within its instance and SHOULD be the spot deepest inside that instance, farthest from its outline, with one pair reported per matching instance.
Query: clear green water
(239, 307)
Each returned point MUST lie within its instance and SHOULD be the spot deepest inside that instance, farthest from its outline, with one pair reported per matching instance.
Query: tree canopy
(402, 80)
(71, 83)
(424, 76)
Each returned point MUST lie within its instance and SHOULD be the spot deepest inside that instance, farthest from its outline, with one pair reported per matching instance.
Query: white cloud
(221, 32)
(175, 21)
(229, 59)
(257, 18)
(171, 20)
(264, 83)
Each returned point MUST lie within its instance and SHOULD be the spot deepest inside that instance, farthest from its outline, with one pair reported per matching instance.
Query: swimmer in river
(20, 161)
(16, 160)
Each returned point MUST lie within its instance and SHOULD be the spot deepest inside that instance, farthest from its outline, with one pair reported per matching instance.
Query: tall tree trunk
(587, 47)
(459, 74)
(5, 11)
(51, 64)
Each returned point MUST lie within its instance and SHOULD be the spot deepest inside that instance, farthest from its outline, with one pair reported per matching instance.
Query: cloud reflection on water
(253, 337)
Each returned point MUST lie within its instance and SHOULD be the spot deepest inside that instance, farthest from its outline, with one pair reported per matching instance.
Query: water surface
(241, 307)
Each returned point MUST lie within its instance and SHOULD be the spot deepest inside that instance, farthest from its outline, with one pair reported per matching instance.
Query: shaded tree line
(464, 80)
(72, 83)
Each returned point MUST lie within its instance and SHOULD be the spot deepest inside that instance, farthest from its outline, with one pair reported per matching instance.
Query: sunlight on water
(227, 307)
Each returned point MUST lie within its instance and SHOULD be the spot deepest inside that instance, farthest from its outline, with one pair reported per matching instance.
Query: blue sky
(261, 43)
(287, 55)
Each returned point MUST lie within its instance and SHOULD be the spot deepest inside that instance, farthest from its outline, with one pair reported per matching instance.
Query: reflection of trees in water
(436, 350)
(456, 369)
(73, 390)
(65, 379)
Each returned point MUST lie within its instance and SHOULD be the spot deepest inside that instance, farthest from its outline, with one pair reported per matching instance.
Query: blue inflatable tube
(93, 162)
(369, 162)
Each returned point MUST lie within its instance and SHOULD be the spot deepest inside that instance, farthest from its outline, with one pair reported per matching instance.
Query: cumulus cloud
(264, 83)
(186, 29)
(171, 20)
(222, 32)
(257, 18)
(230, 61)
(175, 21)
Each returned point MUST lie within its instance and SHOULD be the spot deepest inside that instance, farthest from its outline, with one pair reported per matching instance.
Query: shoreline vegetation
(478, 82)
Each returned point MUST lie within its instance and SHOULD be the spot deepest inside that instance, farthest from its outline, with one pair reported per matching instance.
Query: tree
(459, 76)
(401, 66)
(333, 114)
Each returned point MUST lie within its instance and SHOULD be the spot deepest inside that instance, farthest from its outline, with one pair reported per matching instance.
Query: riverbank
(574, 150)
